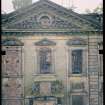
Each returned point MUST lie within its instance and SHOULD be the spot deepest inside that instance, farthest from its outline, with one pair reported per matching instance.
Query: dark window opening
(100, 51)
(45, 60)
(77, 61)
(3, 52)
(59, 101)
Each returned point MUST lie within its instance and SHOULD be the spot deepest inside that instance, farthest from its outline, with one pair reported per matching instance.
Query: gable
(45, 42)
(11, 42)
(57, 17)
(76, 41)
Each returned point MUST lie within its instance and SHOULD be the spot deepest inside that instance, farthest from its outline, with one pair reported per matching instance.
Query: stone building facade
(51, 57)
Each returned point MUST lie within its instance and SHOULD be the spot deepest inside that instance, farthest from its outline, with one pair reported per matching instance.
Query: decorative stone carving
(45, 20)
(45, 88)
(12, 88)
(36, 88)
(12, 62)
(12, 102)
(56, 87)
(45, 6)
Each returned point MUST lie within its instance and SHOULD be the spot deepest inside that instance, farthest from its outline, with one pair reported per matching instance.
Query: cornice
(51, 33)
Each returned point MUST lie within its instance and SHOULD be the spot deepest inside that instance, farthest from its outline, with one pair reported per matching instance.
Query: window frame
(79, 66)
(84, 60)
(52, 69)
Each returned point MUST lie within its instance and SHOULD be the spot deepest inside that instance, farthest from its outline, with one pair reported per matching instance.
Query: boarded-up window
(77, 61)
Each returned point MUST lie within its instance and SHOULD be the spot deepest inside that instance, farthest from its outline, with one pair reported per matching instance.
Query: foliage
(20, 3)
(98, 9)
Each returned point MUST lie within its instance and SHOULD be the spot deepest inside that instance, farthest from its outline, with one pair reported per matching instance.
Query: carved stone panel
(12, 102)
(11, 64)
(45, 88)
(12, 88)
(44, 20)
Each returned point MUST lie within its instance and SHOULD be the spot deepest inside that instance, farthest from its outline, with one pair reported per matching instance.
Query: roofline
(69, 11)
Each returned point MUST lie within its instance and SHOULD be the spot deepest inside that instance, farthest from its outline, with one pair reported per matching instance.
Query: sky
(81, 5)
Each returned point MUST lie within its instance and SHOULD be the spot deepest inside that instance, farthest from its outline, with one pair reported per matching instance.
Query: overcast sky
(81, 5)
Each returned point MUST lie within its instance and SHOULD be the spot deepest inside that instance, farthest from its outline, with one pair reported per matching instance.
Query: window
(3, 52)
(59, 101)
(77, 100)
(77, 61)
(45, 60)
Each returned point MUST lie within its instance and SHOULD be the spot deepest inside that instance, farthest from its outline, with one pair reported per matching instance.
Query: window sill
(81, 91)
(77, 75)
(50, 74)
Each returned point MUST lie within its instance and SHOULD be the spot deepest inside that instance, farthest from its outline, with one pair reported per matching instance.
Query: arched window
(45, 60)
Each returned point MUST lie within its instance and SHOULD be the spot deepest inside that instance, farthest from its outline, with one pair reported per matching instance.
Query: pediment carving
(44, 21)
(48, 15)
(45, 42)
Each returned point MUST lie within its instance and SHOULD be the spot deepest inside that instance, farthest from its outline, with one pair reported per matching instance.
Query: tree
(21, 3)
(98, 9)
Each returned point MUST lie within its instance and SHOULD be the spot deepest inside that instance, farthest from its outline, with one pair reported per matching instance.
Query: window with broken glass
(77, 61)
(45, 60)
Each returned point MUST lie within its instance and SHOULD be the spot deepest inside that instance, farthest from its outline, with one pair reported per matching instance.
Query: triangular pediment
(45, 42)
(46, 15)
(11, 42)
(76, 41)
